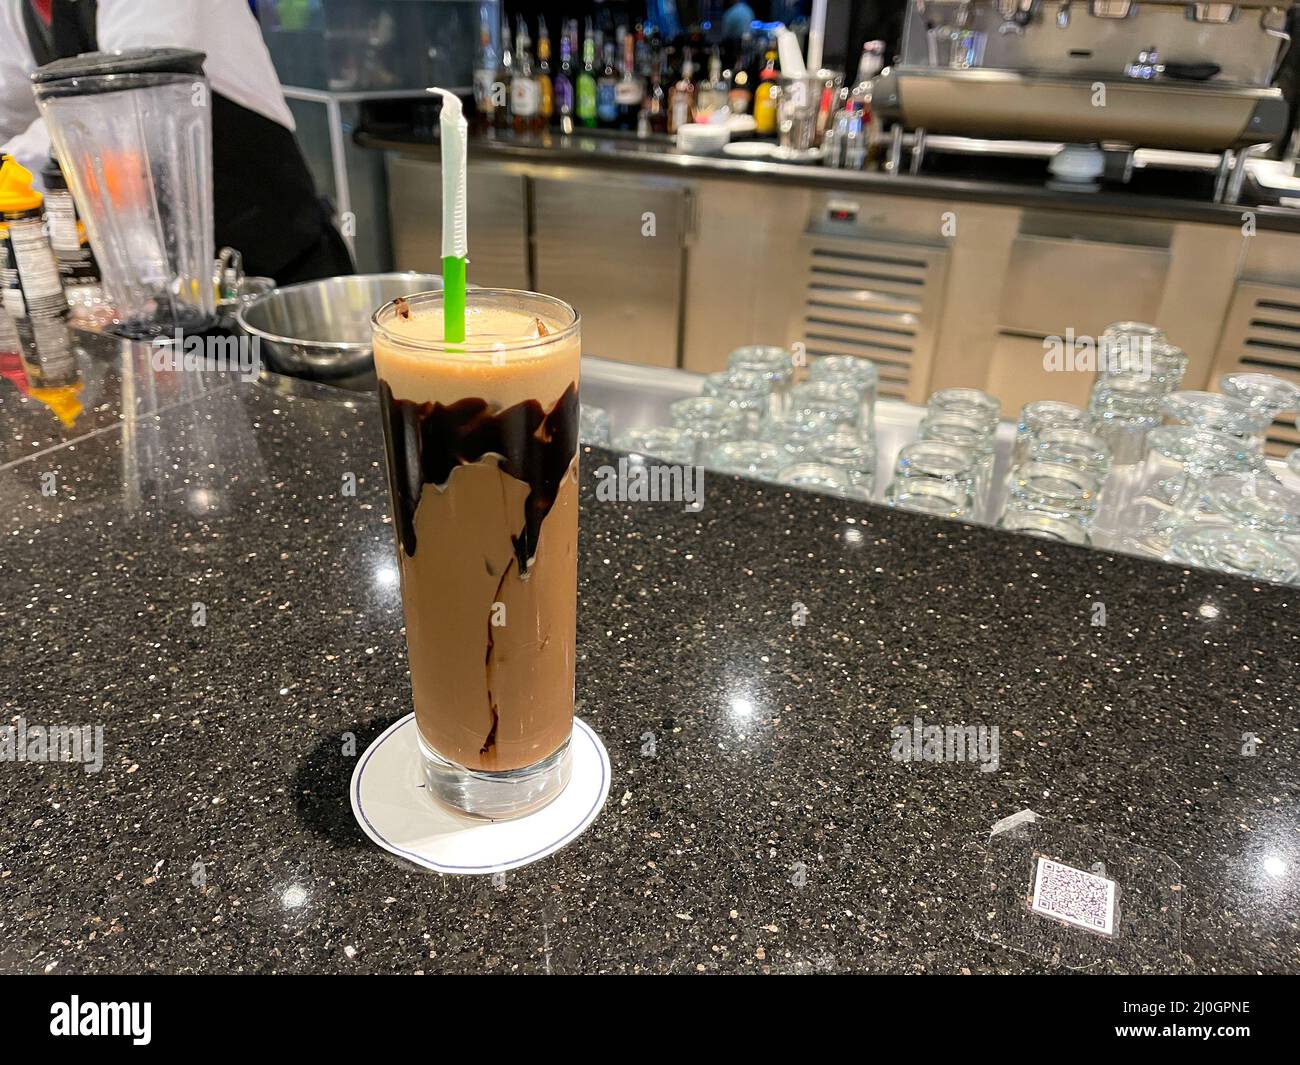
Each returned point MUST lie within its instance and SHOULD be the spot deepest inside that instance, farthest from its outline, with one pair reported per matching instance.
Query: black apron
(264, 200)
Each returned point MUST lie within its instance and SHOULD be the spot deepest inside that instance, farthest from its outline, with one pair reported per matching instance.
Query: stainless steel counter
(676, 260)
(1155, 193)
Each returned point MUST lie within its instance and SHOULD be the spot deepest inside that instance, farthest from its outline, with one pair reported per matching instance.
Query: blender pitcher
(133, 130)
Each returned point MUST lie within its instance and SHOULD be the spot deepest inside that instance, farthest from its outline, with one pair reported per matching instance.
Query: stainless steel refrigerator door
(498, 221)
(614, 247)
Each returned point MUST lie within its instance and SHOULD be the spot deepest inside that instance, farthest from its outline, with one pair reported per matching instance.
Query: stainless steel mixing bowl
(321, 329)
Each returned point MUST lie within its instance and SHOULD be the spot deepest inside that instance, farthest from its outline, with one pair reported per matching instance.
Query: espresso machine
(1090, 76)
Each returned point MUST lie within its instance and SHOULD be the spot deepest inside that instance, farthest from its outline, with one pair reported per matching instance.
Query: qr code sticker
(1075, 897)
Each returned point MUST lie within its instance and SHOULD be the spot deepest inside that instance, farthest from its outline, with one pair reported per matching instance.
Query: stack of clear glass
(1137, 368)
(824, 427)
(1059, 466)
(948, 470)
(754, 420)
(1217, 504)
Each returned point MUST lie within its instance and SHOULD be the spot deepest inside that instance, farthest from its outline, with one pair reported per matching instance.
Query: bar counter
(1153, 192)
(756, 822)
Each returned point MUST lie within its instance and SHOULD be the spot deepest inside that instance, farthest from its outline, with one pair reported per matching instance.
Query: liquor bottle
(644, 57)
(546, 109)
(525, 93)
(485, 72)
(501, 84)
(587, 82)
(654, 53)
(681, 99)
(765, 98)
(757, 61)
(859, 97)
(630, 90)
(872, 61)
(711, 96)
(654, 108)
(607, 90)
(741, 95)
(564, 94)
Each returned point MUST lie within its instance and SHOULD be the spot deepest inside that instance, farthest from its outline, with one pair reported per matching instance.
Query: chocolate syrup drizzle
(426, 441)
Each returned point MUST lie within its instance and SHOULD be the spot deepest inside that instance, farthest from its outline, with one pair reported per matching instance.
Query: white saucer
(749, 149)
(390, 803)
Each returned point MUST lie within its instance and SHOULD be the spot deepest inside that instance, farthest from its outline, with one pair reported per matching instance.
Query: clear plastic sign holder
(1074, 898)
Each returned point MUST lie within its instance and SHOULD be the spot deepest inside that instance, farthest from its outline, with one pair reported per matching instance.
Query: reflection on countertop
(212, 583)
(60, 384)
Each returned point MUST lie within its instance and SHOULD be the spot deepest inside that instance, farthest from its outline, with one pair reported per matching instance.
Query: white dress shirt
(238, 65)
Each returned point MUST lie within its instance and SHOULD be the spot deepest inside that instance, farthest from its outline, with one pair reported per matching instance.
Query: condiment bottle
(82, 284)
(33, 287)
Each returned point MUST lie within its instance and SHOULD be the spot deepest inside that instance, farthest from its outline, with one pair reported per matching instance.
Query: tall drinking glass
(482, 444)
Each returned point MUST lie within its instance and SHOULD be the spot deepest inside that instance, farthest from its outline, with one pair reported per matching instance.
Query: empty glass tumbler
(1152, 360)
(1124, 347)
(593, 425)
(940, 499)
(968, 402)
(851, 452)
(774, 363)
(748, 458)
(835, 401)
(1241, 552)
(747, 390)
(658, 441)
(860, 374)
(934, 477)
(820, 477)
(710, 420)
(972, 431)
(1046, 526)
(1045, 414)
(1074, 447)
(1269, 394)
(797, 432)
(1123, 412)
(1054, 488)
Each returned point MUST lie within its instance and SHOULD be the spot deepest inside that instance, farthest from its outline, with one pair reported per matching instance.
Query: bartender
(265, 201)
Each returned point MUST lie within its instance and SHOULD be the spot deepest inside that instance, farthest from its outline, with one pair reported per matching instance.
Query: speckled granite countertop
(768, 830)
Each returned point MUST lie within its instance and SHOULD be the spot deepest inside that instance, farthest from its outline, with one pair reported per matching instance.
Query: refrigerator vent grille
(1262, 335)
(876, 299)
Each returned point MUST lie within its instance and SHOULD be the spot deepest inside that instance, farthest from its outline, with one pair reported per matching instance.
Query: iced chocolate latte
(482, 443)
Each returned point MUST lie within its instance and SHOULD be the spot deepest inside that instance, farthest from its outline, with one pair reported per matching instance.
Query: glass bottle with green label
(587, 82)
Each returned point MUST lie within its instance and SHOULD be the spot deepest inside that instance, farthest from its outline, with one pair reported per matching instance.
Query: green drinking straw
(455, 235)
(453, 299)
